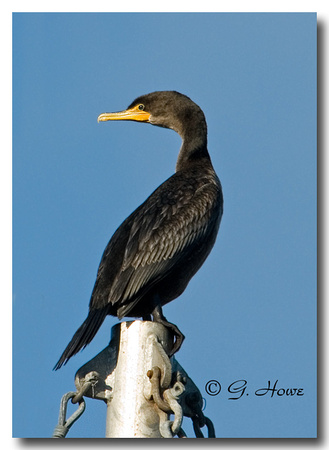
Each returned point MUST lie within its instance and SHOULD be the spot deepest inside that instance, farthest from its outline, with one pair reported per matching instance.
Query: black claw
(177, 344)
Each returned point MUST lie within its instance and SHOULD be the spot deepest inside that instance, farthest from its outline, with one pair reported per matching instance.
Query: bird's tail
(83, 335)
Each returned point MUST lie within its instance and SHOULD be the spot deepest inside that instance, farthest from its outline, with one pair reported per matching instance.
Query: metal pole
(121, 371)
(141, 386)
(129, 413)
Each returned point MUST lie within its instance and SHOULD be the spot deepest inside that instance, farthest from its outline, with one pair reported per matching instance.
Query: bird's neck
(193, 149)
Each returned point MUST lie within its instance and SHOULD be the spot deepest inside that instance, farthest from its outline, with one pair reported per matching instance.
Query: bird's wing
(163, 229)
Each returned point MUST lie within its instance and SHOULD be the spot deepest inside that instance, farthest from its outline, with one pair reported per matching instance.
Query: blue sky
(250, 312)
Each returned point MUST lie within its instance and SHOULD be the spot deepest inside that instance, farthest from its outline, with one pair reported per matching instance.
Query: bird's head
(168, 109)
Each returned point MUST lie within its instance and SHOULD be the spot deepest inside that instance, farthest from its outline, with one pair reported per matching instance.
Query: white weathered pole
(147, 394)
(129, 413)
(121, 370)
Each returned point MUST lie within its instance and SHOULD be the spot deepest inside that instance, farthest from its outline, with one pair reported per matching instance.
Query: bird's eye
(141, 107)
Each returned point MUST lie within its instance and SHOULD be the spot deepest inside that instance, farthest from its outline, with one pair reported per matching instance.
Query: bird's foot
(178, 335)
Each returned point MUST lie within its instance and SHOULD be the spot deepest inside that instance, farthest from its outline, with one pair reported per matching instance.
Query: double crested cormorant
(156, 251)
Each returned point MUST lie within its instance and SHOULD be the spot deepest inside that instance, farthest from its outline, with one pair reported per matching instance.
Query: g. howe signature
(239, 389)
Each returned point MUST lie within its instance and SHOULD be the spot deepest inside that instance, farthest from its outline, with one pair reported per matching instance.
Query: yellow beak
(129, 114)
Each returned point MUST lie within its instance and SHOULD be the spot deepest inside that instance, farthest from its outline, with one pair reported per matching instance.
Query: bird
(155, 252)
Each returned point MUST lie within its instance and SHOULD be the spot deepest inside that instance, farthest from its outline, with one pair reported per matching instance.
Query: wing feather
(160, 235)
